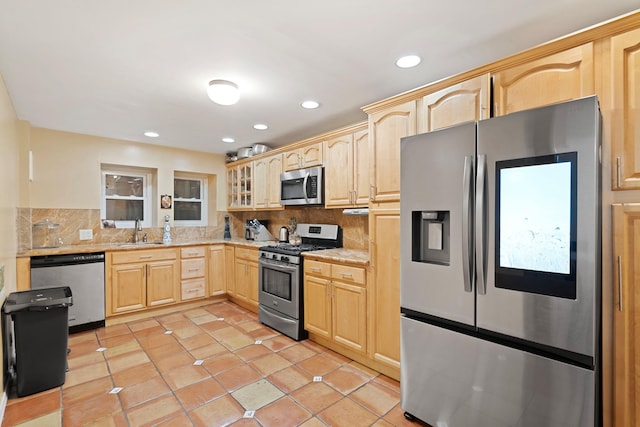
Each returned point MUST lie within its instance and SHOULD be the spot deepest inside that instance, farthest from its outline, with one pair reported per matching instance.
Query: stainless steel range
(280, 278)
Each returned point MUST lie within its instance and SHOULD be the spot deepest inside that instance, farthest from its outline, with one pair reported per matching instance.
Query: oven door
(280, 287)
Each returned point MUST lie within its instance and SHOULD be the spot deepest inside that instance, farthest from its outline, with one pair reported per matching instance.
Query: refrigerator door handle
(481, 224)
(467, 203)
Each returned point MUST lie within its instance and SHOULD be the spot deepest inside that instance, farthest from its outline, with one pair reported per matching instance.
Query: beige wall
(9, 143)
(66, 169)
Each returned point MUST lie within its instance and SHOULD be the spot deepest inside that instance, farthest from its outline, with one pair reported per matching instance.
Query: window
(126, 196)
(189, 200)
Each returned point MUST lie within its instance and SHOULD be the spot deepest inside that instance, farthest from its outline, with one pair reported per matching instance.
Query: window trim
(147, 194)
(203, 200)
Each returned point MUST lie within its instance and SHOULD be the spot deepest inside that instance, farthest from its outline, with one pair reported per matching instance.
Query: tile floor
(211, 366)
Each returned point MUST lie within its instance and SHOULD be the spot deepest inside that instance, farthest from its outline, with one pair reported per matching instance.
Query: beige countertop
(351, 256)
(104, 247)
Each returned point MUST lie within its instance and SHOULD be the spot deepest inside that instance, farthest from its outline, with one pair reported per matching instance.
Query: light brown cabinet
(217, 270)
(625, 120)
(555, 78)
(384, 301)
(303, 157)
(347, 170)
(463, 102)
(246, 277)
(230, 269)
(142, 279)
(266, 182)
(193, 272)
(335, 303)
(386, 127)
(240, 186)
(626, 320)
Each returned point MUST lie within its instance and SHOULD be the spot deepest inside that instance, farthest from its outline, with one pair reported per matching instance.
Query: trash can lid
(37, 299)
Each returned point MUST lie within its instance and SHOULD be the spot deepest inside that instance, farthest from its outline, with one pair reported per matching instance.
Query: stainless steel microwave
(302, 187)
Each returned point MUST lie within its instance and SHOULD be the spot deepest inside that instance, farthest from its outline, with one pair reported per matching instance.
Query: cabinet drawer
(246, 253)
(317, 268)
(143, 255)
(193, 268)
(355, 275)
(194, 288)
(192, 252)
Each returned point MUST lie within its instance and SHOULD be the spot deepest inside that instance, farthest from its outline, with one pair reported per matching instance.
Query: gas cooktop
(289, 249)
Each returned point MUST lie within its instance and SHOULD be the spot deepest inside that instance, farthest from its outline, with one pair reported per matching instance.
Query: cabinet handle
(347, 275)
(372, 191)
(371, 257)
(146, 256)
(618, 171)
(193, 253)
(619, 283)
(194, 269)
(315, 269)
(192, 290)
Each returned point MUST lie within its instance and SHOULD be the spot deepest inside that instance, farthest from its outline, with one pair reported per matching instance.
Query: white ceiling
(117, 68)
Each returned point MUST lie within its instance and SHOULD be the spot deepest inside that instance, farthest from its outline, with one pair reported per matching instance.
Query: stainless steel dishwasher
(84, 274)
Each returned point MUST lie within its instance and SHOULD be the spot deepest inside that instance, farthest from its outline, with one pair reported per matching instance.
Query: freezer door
(436, 204)
(545, 238)
(457, 380)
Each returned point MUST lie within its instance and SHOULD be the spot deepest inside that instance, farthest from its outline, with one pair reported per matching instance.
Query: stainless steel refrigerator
(501, 270)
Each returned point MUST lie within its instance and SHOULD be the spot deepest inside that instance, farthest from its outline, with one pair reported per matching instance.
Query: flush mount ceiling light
(408, 61)
(223, 92)
(260, 126)
(310, 105)
(228, 140)
(151, 134)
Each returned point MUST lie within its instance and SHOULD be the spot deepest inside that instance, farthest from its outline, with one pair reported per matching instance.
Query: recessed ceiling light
(408, 61)
(260, 126)
(223, 92)
(228, 140)
(310, 105)
(151, 134)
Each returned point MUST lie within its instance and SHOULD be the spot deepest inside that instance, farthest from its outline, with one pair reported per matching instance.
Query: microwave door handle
(467, 223)
(481, 279)
(304, 186)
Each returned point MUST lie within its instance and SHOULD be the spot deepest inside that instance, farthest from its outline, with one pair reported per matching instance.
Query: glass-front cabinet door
(240, 187)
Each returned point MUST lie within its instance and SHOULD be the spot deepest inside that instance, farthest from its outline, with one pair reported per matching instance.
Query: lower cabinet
(335, 303)
(246, 278)
(384, 301)
(193, 272)
(217, 270)
(142, 279)
(626, 320)
(230, 269)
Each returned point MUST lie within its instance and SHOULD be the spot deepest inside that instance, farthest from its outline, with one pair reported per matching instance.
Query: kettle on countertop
(284, 235)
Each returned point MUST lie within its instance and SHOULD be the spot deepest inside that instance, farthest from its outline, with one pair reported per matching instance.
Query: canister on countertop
(44, 234)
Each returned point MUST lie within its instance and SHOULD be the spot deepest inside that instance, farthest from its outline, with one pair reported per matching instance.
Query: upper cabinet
(555, 78)
(240, 186)
(266, 182)
(386, 127)
(347, 170)
(459, 103)
(303, 157)
(625, 118)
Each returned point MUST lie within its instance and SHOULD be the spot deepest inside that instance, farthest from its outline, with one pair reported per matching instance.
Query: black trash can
(39, 337)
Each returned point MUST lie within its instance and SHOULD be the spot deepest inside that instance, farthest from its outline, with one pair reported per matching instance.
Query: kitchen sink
(139, 244)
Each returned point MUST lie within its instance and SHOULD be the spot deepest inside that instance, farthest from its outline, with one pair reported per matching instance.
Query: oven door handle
(278, 266)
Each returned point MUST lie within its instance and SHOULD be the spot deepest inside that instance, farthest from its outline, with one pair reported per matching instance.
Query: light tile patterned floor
(218, 366)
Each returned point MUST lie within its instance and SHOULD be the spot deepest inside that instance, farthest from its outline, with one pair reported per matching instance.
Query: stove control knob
(274, 256)
(263, 255)
(285, 259)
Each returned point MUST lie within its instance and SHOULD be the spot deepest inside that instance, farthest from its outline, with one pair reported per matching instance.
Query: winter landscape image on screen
(535, 217)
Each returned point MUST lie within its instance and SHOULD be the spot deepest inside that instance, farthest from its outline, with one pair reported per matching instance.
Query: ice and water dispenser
(430, 234)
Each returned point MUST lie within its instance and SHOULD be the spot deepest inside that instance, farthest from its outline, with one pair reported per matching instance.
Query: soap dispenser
(166, 236)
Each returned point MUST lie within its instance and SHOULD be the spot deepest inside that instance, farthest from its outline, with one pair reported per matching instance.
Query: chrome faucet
(137, 227)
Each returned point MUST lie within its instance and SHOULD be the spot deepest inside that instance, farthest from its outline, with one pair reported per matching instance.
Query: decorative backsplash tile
(71, 221)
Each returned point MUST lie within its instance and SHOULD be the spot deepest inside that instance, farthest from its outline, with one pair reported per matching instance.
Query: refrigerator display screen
(536, 224)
